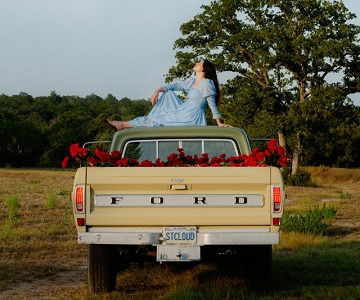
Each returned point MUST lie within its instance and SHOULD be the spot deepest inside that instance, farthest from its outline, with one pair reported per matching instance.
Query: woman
(169, 110)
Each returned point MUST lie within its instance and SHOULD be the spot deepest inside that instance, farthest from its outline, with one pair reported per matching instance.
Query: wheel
(101, 268)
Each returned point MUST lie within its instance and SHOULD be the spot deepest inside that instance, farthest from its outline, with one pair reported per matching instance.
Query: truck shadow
(327, 264)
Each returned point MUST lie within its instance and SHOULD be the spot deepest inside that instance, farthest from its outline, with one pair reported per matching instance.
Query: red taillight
(79, 199)
(277, 198)
(80, 221)
(276, 221)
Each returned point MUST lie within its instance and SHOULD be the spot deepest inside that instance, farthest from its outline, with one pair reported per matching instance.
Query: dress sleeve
(183, 85)
(214, 109)
(208, 91)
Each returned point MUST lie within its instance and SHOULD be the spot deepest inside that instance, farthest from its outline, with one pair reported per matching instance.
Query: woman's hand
(155, 96)
(221, 124)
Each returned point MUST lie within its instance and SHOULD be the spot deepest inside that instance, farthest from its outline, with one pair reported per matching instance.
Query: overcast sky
(80, 47)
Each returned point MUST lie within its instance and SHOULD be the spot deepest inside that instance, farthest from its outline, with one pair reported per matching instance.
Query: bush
(300, 178)
(313, 222)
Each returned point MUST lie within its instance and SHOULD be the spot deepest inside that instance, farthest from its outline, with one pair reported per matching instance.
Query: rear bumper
(154, 236)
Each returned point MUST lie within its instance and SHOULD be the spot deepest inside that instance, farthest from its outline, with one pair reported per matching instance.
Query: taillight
(276, 221)
(80, 221)
(277, 198)
(80, 199)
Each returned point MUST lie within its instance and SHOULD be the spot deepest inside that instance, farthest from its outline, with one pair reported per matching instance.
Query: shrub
(300, 178)
(313, 221)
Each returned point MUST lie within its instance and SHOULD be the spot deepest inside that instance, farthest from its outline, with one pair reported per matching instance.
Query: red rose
(250, 162)
(65, 162)
(92, 161)
(215, 165)
(215, 160)
(280, 150)
(145, 163)
(159, 163)
(283, 161)
(82, 152)
(255, 150)
(124, 162)
(260, 156)
(272, 145)
(267, 153)
(115, 155)
(74, 150)
(103, 156)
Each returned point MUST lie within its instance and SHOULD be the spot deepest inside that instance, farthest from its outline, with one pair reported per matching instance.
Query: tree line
(37, 131)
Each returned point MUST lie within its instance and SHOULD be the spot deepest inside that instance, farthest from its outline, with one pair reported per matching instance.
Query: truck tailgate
(178, 196)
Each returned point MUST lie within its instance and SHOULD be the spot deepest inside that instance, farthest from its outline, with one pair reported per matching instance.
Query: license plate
(179, 235)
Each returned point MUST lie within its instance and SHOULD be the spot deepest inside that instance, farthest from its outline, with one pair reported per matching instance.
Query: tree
(284, 52)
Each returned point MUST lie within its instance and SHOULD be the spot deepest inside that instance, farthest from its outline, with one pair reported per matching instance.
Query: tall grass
(313, 221)
(12, 204)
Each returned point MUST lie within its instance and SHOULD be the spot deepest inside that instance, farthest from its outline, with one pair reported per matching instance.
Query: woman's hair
(210, 73)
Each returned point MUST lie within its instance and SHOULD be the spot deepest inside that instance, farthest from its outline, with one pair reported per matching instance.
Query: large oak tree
(292, 60)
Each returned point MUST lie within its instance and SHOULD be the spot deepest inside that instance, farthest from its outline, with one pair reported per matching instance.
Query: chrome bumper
(153, 236)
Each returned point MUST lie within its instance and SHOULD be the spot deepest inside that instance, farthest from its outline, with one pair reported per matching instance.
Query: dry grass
(40, 257)
(41, 241)
(338, 187)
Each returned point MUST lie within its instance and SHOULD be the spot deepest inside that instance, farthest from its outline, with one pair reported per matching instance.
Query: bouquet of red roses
(273, 155)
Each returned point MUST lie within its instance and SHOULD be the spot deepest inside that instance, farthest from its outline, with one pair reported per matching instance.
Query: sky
(83, 47)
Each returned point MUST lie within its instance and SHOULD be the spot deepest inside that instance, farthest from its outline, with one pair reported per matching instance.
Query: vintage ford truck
(177, 214)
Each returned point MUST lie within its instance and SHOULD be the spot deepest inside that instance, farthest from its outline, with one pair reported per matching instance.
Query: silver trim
(96, 142)
(183, 200)
(125, 230)
(234, 230)
(179, 140)
(160, 230)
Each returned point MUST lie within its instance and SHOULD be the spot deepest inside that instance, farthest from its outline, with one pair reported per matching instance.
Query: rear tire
(102, 269)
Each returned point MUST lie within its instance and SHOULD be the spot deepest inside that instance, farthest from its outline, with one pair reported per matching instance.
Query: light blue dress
(171, 111)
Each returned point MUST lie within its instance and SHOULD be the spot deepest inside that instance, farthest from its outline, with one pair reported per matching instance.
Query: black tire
(102, 269)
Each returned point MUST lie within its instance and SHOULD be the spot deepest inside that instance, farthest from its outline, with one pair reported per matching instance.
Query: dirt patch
(56, 286)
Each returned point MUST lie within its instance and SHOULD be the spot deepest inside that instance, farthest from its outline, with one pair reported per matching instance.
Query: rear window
(153, 149)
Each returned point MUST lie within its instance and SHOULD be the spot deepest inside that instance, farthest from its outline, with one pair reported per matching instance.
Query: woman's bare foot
(119, 125)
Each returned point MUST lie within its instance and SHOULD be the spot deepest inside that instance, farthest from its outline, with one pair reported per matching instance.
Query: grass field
(40, 257)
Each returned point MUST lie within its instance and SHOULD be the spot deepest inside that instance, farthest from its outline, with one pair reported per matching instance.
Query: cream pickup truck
(177, 214)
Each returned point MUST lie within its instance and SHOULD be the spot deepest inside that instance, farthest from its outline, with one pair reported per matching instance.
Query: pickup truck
(177, 214)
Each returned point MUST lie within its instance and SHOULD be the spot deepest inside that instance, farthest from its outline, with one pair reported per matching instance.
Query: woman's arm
(182, 85)
(155, 95)
(215, 111)
(209, 92)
